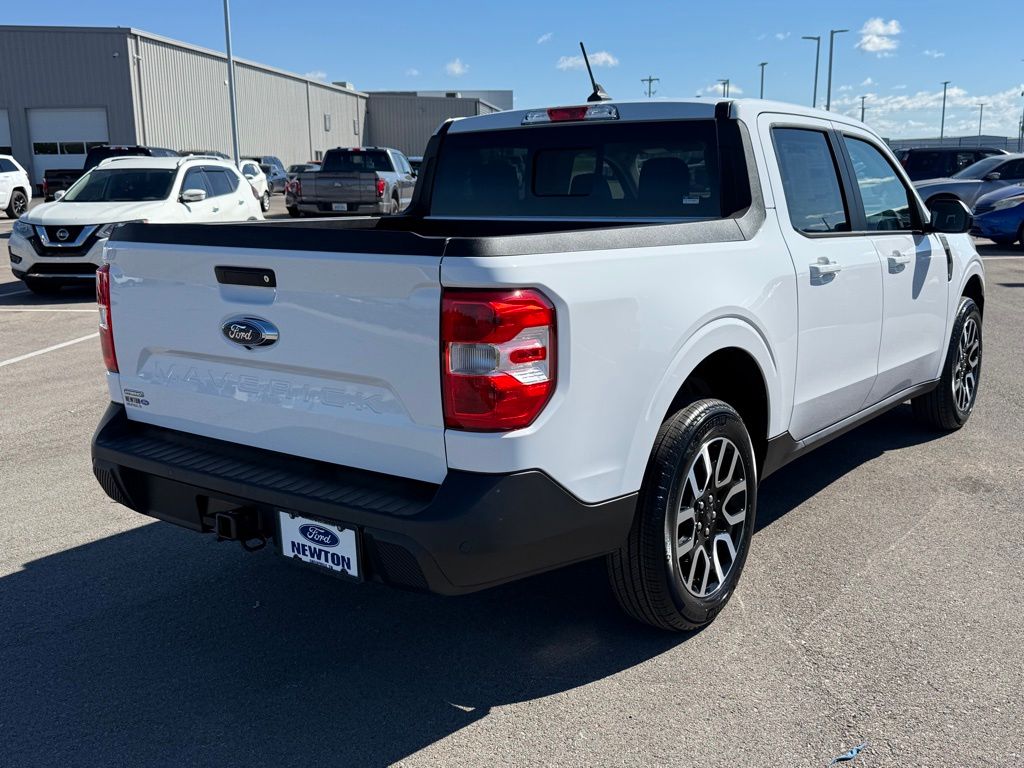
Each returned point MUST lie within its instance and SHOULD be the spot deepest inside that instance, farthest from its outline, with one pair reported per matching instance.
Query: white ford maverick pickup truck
(594, 331)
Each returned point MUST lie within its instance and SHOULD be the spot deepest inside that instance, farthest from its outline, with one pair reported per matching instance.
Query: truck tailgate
(352, 187)
(353, 377)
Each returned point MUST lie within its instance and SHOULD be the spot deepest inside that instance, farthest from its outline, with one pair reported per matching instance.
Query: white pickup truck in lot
(594, 331)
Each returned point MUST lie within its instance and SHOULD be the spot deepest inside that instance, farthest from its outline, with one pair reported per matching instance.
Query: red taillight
(561, 114)
(380, 187)
(497, 358)
(46, 188)
(106, 325)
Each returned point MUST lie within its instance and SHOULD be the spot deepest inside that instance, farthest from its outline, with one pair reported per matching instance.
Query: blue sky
(896, 53)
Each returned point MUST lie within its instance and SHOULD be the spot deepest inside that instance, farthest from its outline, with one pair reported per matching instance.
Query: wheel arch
(728, 359)
(974, 288)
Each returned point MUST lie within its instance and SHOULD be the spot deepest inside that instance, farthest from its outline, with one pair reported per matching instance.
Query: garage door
(5, 134)
(61, 137)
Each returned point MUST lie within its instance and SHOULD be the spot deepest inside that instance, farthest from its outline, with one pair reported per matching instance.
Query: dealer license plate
(339, 206)
(328, 546)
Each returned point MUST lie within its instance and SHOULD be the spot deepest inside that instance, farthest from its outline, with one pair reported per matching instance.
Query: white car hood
(61, 213)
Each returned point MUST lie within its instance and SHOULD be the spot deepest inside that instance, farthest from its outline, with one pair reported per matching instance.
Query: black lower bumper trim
(470, 532)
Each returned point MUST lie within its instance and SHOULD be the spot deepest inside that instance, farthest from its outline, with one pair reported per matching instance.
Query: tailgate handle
(263, 278)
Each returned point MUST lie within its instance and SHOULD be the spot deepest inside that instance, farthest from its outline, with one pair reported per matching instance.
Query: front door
(839, 281)
(914, 269)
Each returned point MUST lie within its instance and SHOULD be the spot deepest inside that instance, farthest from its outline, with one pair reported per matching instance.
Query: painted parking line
(63, 344)
(42, 309)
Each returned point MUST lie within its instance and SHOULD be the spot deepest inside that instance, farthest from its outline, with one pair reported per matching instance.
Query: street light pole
(725, 87)
(942, 125)
(817, 60)
(762, 65)
(831, 41)
(981, 112)
(231, 81)
(862, 98)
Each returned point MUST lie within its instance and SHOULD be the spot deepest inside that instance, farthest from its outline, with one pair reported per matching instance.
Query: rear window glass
(634, 170)
(347, 162)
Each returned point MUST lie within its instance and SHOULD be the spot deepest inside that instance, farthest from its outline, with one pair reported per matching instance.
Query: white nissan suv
(61, 243)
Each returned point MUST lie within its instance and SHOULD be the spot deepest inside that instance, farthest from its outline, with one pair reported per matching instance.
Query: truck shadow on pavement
(158, 647)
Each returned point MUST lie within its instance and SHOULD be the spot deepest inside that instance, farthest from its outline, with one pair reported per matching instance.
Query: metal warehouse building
(405, 120)
(64, 89)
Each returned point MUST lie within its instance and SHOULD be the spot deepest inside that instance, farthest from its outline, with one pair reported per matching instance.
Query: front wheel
(949, 405)
(17, 205)
(265, 201)
(694, 521)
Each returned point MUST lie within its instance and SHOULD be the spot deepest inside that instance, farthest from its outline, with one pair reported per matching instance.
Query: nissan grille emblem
(62, 234)
(249, 332)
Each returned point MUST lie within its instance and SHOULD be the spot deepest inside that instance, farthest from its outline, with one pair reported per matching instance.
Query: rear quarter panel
(632, 324)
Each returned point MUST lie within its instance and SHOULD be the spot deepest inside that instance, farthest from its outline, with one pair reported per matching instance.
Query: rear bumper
(471, 532)
(324, 209)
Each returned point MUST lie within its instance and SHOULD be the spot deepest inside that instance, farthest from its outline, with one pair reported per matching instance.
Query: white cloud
(456, 67)
(598, 59)
(933, 53)
(868, 81)
(412, 72)
(545, 38)
(317, 74)
(917, 115)
(878, 26)
(900, 87)
(782, 35)
(844, 88)
(716, 89)
(878, 36)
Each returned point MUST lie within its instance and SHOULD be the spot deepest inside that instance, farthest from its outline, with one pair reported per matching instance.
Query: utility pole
(231, 82)
(650, 83)
(725, 88)
(981, 113)
(762, 65)
(1020, 133)
(862, 98)
(831, 42)
(817, 61)
(942, 125)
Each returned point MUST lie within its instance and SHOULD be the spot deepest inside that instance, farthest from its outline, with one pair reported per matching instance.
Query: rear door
(914, 268)
(353, 377)
(839, 282)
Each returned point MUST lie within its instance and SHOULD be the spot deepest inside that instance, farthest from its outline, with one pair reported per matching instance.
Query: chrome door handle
(216, 209)
(825, 267)
(898, 259)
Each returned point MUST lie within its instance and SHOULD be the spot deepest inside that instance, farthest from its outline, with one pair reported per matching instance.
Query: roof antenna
(599, 93)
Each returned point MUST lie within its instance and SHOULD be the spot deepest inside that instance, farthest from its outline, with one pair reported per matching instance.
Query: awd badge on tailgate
(250, 332)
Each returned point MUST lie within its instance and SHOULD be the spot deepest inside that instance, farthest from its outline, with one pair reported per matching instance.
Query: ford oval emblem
(319, 535)
(250, 332)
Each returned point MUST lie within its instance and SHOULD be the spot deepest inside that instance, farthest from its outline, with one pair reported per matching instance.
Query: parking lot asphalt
(881, 603)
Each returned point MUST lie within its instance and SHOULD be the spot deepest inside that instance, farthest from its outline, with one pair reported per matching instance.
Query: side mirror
(193, 195)
(58, 195)
(950, 216)
(994, 176)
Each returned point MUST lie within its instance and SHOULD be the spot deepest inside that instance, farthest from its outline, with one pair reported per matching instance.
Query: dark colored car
(941, 162)
(360, 180)
(999, 216)
(266, 160)
(60, 179)
(972, 182)
(277, 178)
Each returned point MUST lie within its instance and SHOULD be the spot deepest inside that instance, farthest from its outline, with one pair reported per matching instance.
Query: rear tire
(294, 212)
(694, 521)
(42, 287)
(265, 201)
(949, 405)
(394, 206)
(17, 205)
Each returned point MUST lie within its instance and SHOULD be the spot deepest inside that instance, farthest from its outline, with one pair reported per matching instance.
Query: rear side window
(348, 161)
(633, 170)
(222, 181)
(6, 166)
(810, 179)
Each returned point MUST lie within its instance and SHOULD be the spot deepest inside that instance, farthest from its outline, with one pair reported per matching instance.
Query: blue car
(999, 216)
